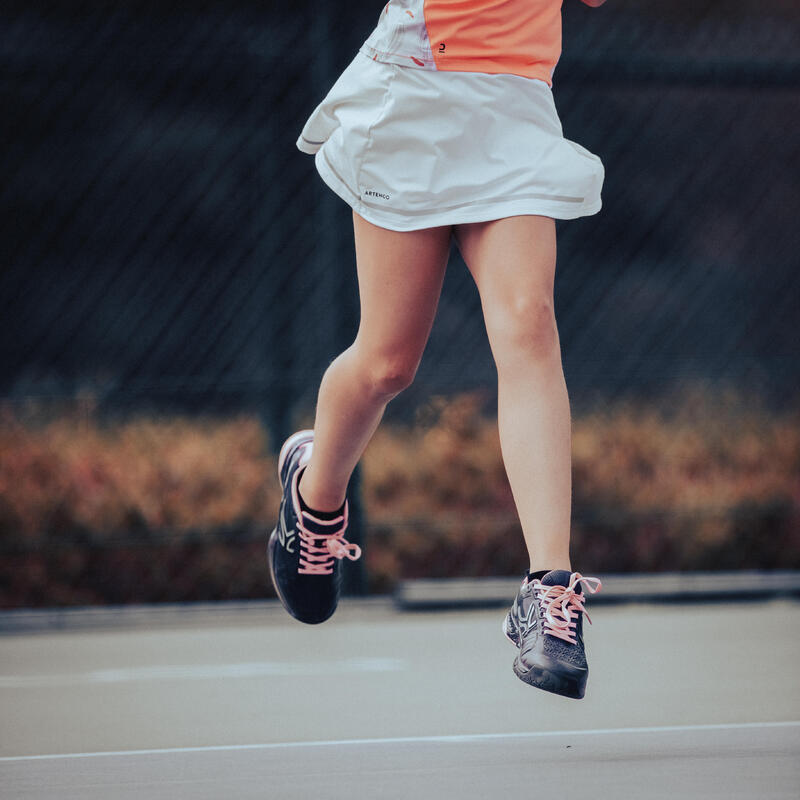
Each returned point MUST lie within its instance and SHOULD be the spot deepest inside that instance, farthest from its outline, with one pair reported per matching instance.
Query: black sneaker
(546, 624)
(304, 552)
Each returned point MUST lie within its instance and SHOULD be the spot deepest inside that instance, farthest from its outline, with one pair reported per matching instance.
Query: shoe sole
(271, 545)
(573, 687)
(287, 448)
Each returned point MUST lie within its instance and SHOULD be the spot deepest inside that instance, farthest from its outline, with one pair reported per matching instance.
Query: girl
(444, 127)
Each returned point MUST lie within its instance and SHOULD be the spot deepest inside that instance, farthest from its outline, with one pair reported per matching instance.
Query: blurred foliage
(172, 509)
(143, 510)
(714, 484)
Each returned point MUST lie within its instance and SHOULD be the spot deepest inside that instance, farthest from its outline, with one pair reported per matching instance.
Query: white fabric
(410, 148)
(401, 35)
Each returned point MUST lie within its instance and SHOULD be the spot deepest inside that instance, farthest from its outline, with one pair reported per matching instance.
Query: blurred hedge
(713, 484)
(148, 510)
(144, 510)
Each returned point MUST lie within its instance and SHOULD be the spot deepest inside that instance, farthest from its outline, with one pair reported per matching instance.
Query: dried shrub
(713, 484)
(140, 475)
(125, 512)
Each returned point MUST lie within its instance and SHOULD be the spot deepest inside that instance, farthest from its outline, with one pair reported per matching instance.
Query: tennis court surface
(683, 700)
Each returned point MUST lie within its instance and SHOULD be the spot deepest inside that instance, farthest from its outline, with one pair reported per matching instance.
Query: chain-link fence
(166, 248)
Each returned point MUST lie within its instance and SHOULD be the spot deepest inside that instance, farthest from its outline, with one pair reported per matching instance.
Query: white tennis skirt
(413, 148)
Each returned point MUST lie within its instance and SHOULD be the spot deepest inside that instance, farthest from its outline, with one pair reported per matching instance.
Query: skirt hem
(482, 211)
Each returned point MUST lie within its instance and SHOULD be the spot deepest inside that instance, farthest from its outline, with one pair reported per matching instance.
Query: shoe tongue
(557, 577)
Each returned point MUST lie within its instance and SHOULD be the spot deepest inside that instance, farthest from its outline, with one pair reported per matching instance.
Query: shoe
(304, 552)
(546, 624)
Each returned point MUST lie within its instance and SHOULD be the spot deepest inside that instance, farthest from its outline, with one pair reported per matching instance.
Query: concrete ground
(698, 700)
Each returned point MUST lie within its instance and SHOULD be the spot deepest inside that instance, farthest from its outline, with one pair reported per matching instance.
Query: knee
(524, 329)
(386, 375)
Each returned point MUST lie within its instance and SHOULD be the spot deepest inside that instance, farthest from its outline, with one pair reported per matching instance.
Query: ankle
(319, 503)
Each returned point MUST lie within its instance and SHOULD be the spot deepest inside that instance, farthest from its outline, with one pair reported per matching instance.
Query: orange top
(520, 37)
(517, 37)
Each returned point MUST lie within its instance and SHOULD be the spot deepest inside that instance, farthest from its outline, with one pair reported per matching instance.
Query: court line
(165, 672)
(457, 738)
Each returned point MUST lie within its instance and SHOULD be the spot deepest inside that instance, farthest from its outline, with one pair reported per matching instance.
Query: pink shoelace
(315, 560)
(561, 605)
(317, 550)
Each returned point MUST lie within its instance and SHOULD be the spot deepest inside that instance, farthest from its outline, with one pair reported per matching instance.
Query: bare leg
(399, 278)
(513, 263)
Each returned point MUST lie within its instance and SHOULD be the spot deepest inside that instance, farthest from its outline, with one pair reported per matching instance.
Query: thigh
(513, 263)
(512, 260)
(400, 277)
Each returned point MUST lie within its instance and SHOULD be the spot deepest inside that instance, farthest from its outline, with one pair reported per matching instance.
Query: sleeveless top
(516, 37)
